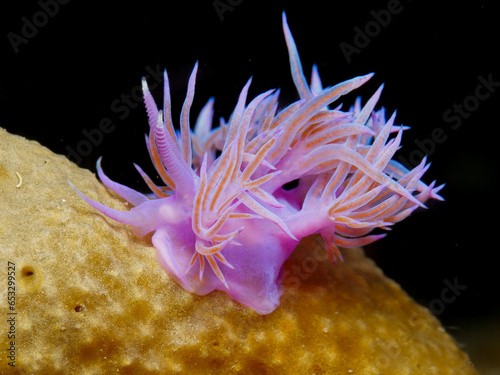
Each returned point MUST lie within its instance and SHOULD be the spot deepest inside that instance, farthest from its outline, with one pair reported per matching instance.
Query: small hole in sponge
(79, 308)
(30, 277)
(27, 271)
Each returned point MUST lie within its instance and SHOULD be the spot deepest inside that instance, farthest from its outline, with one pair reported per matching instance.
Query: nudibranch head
(222, 219)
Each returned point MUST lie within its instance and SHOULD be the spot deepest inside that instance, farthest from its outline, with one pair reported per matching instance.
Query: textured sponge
(92, 299)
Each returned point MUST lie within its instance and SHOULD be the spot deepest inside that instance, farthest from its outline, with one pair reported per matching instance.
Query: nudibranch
(225, 217)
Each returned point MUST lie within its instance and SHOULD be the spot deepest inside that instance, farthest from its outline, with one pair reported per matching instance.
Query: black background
(83, 59)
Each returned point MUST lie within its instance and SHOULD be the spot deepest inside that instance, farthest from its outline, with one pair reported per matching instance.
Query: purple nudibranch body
(227, 223)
